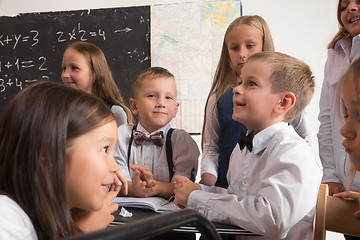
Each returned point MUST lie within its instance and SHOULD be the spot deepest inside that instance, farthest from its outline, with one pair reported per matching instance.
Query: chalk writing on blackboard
(32, 45)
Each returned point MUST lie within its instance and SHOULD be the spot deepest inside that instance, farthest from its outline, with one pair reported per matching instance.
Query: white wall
(301, 28)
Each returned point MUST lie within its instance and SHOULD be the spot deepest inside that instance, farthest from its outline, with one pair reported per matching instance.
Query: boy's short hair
(149, 73)
(289, 75)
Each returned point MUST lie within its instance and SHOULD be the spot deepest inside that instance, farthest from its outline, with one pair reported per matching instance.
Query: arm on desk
(154, 226)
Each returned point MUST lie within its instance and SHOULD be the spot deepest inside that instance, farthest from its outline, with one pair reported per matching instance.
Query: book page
(157, 204)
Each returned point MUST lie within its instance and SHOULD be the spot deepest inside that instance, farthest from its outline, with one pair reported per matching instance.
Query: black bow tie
(246, 141)
(140, 137)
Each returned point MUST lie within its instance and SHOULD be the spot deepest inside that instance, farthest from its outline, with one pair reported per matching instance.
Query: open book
(157, 204)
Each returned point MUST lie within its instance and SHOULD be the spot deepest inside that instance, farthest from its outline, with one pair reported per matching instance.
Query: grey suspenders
(168, 146)
(169, 153)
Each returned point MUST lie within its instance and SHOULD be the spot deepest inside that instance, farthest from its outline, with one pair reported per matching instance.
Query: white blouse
(119, 114)
(332, 154)
(14, 222)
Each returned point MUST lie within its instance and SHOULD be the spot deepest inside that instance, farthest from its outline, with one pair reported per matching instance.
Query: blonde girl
(245, 36)
(84, 67)
(349, 89)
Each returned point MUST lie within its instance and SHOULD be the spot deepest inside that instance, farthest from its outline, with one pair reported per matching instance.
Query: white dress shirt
(272, 190)
(14, 222)
(119, 114)
(185, 153)
(332, 154)
(210, 153)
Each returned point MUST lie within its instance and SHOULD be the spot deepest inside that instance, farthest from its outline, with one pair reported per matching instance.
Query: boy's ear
(133, 106)
(286, 102)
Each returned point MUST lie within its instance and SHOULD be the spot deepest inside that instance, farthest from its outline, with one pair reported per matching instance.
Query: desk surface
(139, 213)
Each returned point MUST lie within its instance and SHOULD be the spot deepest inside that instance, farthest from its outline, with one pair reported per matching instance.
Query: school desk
(139, 213)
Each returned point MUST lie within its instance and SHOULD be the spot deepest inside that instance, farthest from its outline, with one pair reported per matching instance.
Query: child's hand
(120, 182)
(183, 187)
(145, 174)
(89, 221)
(208, 179)
(335, 187)
(139, 187)
(350, 195)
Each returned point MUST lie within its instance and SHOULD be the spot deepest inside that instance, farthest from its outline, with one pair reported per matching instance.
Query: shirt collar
(164, 129)
(345, 45)
(262, 138)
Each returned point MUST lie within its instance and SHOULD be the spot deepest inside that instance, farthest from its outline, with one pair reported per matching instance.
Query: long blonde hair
(225, 75)
(104, 86)
(342, 33)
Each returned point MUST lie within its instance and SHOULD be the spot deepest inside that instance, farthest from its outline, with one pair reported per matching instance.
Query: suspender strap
(169, 153)
(129, 148)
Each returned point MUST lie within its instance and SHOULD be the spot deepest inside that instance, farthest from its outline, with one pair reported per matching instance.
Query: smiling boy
(144, 151)
(274, 180)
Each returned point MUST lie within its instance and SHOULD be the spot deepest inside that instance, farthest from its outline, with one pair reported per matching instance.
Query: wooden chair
(335, 214)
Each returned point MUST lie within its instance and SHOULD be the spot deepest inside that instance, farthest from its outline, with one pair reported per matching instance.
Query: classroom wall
(301, 28)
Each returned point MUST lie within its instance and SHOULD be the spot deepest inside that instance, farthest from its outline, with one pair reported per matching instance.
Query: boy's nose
(160, 102)
(238, 90)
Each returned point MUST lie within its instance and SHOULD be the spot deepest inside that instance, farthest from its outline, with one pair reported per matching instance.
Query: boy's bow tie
(157, 138)
(246, 141)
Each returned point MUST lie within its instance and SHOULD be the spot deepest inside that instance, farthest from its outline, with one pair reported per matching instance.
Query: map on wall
(186, 38)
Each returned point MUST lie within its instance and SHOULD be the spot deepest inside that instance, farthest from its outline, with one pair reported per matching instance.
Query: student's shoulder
(179, 132)
(124, 130)
(14, 222)
(117, 109)
(287, 137)
(9, 208)
(181, 135)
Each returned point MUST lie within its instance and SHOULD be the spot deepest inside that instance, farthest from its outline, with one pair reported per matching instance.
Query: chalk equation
(32, 45)
(76, 34)
(14, 39)
(19, 65)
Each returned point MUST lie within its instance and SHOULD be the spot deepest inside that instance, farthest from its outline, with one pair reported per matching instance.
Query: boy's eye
(151, 96)
(251, 83)
(105, 149)
(240, 83)
(168, 97)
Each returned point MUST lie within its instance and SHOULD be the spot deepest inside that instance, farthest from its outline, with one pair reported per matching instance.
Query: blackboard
(32, 45)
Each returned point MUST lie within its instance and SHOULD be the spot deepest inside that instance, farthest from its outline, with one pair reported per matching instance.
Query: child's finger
(146, 175)
(179, 179)
(113, 207)
(122, 181)
(134, 166)
(348, 195)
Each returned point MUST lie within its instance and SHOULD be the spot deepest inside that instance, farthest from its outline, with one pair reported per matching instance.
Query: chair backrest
(335, 214)
(154, 226)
